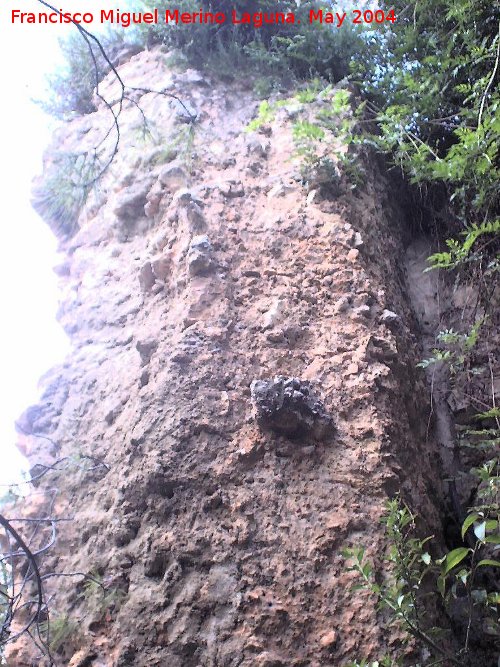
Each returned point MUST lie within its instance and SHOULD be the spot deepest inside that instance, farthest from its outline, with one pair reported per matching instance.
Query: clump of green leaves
(58, 630)
(432, 86)
(318, 135)
(469, 249)
(407, 563)
(456, 347)
(413, 573)
(284, 51)
(265, 115)
(6, 582)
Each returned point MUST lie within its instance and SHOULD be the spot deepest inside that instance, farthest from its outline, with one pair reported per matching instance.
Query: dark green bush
(432, 80)
(302, 50)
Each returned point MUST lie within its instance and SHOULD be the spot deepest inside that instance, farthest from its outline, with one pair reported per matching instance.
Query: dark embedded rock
(231, 189)
(194, 217)
(146, 347)
(113, 412)
(124, 533)
(119, 55)
(199, 259)
(213, 502)
(287, 406)
(36, 472)
(155, 565)
(144, 379)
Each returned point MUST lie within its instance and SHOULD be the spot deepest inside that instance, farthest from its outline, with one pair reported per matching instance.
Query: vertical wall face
(188, 281)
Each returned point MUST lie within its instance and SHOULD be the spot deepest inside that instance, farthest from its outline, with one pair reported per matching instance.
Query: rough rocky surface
(221, 541)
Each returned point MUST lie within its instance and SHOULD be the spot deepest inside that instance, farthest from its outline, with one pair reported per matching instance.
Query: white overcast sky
(31, 341)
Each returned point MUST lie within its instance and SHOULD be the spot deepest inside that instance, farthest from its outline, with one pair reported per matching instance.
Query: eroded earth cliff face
(202, 269)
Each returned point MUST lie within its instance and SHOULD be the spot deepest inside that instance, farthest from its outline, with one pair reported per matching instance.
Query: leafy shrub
(58, 631)
(302, 50)
(413, 574)
(62, 192)
(71, 88)
(317, 134)
(432, 83)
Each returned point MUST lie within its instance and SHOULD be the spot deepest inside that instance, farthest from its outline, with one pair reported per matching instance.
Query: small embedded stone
(232, 189)
(329, 639)
(146, 347)
(279, 190)
(162, 266)
(361, 313)
(341, 305)
(194, 217)
(131, 200)
(389, 317)
(144, 379)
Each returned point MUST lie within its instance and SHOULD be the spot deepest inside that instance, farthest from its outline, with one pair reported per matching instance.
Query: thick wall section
(201, 265)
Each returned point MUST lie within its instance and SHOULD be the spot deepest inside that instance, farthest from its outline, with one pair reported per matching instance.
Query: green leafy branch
(409, 561)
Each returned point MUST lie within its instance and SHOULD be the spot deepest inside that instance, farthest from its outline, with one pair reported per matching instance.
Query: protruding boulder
(231, 189)
(388, 317)
(287, 405)
(199, 260)
(258, 146)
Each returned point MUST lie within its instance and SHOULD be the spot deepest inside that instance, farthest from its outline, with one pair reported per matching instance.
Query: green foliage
(66, 184)
(466, 250)
(264, 86)
(457, 348)
(408, 562)
(287, 50)
(58, 630)
(266, 115)
(319, 136)
(98, 597)
(5, 593)
(304, 131)
(71, 88)
(432, 84)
